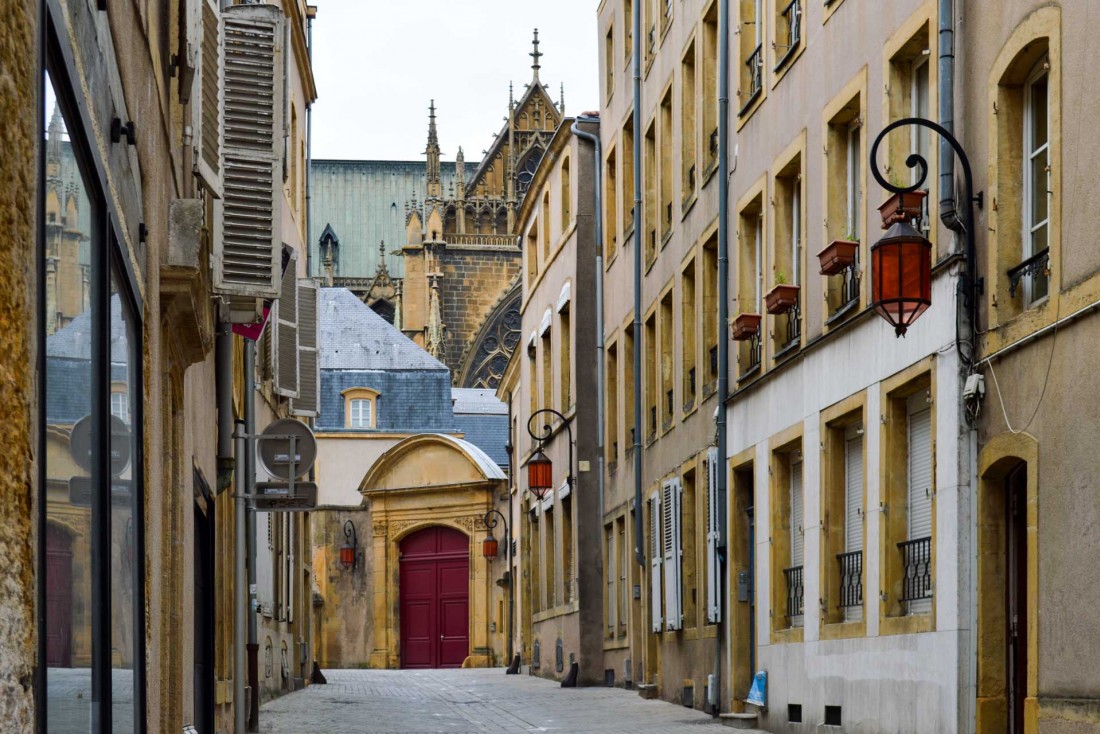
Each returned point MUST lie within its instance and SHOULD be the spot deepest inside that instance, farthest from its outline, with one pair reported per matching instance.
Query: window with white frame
(917, 549)
(120, 406)
(795, 577)
(920, 106)
(852, 179)
(851, 583)
(361, 413)
(1035, 206)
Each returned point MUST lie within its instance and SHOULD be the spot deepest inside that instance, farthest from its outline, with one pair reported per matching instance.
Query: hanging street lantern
(540, 475)
(349, 551)
(901, 262)
(901, 276)
(489, 546)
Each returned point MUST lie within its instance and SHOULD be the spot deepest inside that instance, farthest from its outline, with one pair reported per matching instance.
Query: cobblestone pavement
(467, 701)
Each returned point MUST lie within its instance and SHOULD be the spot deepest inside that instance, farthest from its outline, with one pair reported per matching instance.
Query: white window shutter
(714, 605)
(284, 344)
(920, 473)
(796, 514)
(853, 493)
(206, 49)
(248, 252)
(309, 374)
(672, 554)
(655, 561)
(610, 571)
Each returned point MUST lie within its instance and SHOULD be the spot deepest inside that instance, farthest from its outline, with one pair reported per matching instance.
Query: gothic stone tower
(67, 287)
(460, 296)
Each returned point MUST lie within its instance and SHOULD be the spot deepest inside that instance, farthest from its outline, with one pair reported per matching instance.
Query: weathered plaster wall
(18, 96)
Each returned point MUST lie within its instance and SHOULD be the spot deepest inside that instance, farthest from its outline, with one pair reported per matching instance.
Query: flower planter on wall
(745, 326)
(781, 298)
(902, 207)
(839, 255)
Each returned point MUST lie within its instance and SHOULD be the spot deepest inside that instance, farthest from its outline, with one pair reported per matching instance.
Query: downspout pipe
(601, 375)
(250, 484)
(639, 554)
(309, 152)
(949, 214)
(723, 317)
(240, 591)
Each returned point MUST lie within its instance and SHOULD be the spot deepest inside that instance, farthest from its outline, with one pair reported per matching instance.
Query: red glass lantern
(901, 276)
(347, 555)
(489, 546)
(540, 475)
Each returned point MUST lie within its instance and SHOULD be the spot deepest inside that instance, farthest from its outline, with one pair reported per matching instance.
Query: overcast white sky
(377, 64)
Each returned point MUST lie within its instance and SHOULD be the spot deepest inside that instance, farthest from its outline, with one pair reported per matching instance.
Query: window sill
(710, 170)
(752, 104)
(844, 630)
(688, 410)
(842, 313)
(666, 236)
(786, 62)
(905, 625)
(787, 350)
(788, 635)
(710, 388)
(749, 374)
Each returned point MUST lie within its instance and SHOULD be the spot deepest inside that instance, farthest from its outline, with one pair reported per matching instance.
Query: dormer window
(360, 407)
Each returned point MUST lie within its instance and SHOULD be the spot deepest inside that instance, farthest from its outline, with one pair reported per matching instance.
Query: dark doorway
(1016, 594)
(435, 590)
(59, 597)
(203, 616)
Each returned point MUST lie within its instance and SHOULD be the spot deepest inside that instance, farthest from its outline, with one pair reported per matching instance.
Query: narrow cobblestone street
(467, 701)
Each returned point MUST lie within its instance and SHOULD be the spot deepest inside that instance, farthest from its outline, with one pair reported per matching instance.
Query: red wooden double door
(435, 599)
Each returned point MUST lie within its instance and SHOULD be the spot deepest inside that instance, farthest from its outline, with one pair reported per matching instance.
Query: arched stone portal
(426, 497)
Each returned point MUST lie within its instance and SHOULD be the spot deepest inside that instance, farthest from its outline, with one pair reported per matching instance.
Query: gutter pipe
(723, 317)
(240, 591)
(601, 376)
(639, 554)
(309, 152)
(250, 487)
(949, 215)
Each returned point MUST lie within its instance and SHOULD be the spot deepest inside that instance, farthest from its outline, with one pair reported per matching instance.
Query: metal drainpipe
(512, 530)
(240, 607)
(250, 484)
(723, 316)
(949, 215)
(639, 554)
(309, 151)
(600, 372)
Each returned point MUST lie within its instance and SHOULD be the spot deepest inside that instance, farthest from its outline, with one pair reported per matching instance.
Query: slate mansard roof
(361, 349)
(483, 419)
(69, 365)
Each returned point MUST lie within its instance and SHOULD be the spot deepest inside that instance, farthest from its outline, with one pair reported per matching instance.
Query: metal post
(250, 485)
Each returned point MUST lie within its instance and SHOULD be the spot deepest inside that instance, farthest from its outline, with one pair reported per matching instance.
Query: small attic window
(360, 407)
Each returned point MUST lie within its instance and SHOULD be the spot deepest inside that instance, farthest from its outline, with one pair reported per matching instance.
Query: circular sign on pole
(80, 444)
(273, 448)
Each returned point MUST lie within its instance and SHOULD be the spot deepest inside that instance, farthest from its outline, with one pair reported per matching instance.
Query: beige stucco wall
(342, 462)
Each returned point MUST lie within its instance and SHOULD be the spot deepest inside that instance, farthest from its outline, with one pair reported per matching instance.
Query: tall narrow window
(845, 166)
(627, 225)
(532, 375)
(672, 553)
(628, 387)
(547, 357)
(565, 357)
(710, 311)
(612, 411)
(853, 163)
(688, 329)
(532, 253)
(651, 371)
(750, 285)
(569, 587)
(688, 130)
(920, 106)
(545, 216)
(751, 76)
(665, 363)
(610, 203)
(628, 28)
(649, 181)
(917, 549)
(610, 573)
(609, 62)
(787, 254)
(710, 86)
(796, 531)
(1036, 203)
(788, 30)
(851, 583)
(361, 412)
(550, 539)
(665, 152)
(624, 576)
(566, 196)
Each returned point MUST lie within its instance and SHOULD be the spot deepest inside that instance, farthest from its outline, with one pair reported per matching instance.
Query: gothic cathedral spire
(435, 187)
(536, 55)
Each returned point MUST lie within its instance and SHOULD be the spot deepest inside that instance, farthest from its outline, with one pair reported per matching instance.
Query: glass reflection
(123, 552)
(68, 326)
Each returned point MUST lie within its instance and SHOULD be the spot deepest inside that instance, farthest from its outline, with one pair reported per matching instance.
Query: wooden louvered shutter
(206, 96)
(309, 374)
(796, 514)
(284, 345)
(655, 561)
(672, 554)
(247, 249)
(714, 605)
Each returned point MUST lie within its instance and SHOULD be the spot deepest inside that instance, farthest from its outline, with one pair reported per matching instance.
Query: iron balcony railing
(1036, 265)
(849, 287)
(754, 63)
(916, 563)
(851, 578)
(792, 19)
(754, 351)
(793, 578)
(794, 322)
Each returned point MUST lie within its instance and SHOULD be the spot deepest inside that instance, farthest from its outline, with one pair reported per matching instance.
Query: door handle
(442, 637)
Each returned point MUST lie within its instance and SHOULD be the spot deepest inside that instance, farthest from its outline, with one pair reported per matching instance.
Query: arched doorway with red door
(434, 592)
